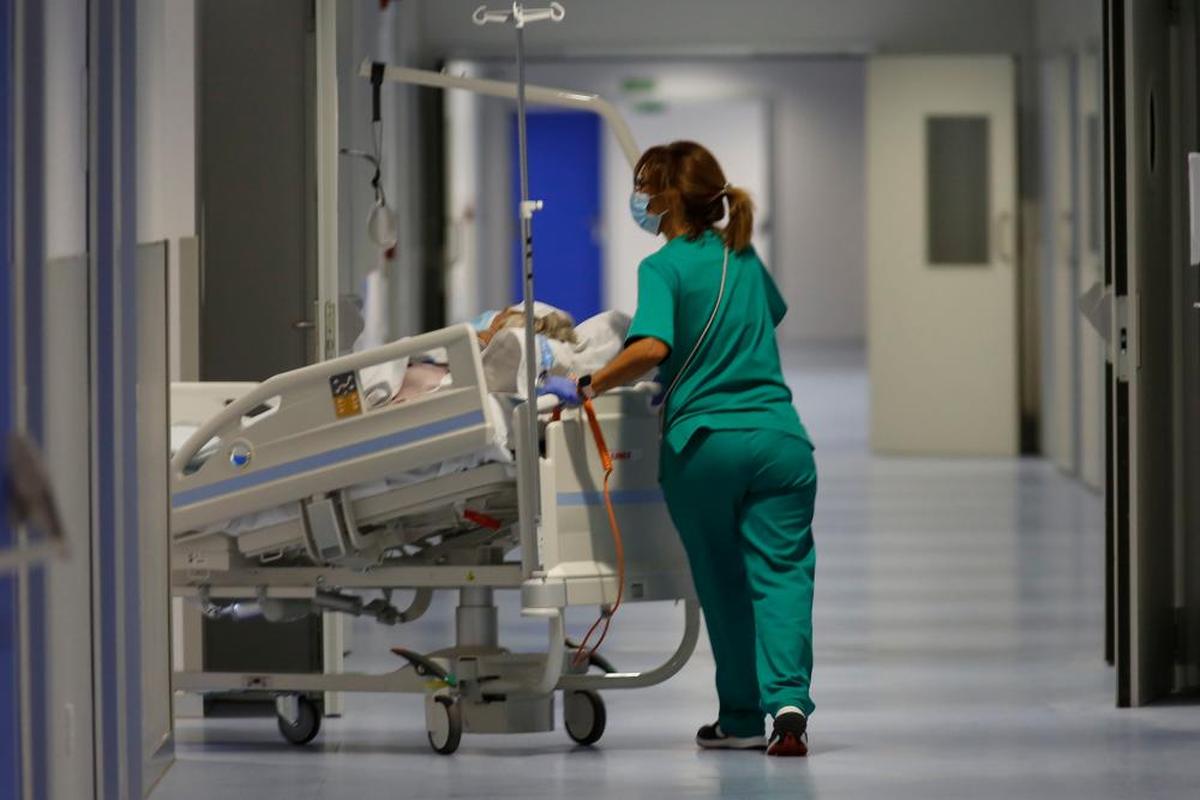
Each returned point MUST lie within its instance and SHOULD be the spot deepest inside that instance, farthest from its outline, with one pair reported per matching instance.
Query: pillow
(600, 339)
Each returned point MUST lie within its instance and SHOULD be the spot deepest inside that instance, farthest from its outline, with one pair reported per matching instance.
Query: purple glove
(564, 389)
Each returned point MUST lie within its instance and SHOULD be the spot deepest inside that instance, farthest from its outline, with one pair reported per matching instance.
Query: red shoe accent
(788, 745)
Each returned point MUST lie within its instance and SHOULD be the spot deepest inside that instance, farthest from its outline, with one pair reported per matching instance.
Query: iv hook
(519, 15)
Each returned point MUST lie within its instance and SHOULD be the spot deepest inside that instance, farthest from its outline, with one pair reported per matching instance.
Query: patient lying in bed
(579, 350)
(422, 377)
(563, 349)
(549, 321)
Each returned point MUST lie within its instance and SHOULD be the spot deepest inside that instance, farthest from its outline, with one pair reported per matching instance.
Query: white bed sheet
(497, 451)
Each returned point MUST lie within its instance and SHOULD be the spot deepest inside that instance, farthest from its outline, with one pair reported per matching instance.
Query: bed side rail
(309, 431)
(196, 402)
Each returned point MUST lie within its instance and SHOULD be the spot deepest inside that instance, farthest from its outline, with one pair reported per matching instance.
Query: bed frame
(305, 436)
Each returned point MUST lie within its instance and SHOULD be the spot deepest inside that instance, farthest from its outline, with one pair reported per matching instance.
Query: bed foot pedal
(425, 667)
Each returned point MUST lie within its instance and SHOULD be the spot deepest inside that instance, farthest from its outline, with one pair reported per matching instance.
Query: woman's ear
(661, 202)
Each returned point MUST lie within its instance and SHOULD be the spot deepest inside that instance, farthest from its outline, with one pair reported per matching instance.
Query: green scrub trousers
(737, 470)
(743, 504)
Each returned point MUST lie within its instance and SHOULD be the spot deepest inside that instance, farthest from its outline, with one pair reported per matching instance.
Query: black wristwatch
(584, 385)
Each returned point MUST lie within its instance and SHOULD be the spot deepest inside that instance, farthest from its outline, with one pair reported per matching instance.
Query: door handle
(1067, 232)
(455, 237)
(32, 503)
(304, 325)
(1003, 232)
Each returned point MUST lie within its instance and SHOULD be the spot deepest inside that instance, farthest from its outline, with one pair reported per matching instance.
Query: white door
(941, 250)
(1060, 370)
(1090, 236)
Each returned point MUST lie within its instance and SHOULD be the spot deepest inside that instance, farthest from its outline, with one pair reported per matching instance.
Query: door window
(958, 185)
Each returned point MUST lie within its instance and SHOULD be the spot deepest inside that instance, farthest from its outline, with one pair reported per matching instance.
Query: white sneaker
(711, 737)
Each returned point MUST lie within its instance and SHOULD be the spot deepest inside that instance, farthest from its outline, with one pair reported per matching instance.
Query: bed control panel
(346, 401)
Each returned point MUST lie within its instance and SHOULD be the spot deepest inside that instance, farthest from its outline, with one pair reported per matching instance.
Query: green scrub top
(735, 382)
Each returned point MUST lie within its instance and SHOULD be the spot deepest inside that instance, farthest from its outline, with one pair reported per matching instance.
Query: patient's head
(553, 324)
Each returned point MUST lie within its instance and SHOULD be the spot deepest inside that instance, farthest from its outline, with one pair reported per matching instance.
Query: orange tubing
(584, 653)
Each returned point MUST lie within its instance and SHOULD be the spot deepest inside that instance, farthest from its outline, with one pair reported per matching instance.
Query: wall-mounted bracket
(1125, 341)
(529, 208)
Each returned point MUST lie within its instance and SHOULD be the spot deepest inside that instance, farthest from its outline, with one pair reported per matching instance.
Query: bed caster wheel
(299, 718)
(584, 716)
(443, 722)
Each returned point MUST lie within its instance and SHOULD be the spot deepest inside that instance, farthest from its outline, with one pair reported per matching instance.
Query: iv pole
(538, 95)
(519, 16)
(530, 496)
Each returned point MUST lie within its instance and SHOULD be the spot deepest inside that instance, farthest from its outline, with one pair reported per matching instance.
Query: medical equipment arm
(537, 95)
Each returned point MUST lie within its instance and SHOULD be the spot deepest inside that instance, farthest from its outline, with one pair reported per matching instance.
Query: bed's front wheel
(299, 718)
(443, 722)
(584, 716)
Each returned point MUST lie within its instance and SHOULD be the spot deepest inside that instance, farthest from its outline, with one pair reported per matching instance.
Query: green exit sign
(638, 85)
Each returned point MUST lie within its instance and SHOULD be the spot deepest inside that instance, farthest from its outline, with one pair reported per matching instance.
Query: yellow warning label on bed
(346, 402)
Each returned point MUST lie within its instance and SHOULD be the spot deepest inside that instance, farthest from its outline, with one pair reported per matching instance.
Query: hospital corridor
(599, 398)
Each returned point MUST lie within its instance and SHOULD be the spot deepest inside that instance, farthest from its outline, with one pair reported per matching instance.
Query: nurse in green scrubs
(737, 465)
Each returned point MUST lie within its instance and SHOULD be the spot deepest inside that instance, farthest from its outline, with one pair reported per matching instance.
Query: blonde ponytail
(740, 227)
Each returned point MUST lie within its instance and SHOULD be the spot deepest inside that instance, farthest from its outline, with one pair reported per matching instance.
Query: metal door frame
(112, 247)
(11, 747)
(1185, 139)
(1148, 129)
(24, 254)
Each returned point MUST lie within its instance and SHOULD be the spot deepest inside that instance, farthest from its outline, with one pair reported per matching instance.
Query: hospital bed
(294, 497)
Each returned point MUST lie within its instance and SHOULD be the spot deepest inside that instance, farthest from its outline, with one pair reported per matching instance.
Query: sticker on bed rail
(346, 402)
(240, 454)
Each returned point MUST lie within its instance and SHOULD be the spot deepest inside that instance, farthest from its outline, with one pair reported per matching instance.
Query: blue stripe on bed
(328, 458)
(627, 497)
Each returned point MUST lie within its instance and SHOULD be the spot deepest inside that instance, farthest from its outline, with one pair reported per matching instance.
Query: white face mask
(639, 208)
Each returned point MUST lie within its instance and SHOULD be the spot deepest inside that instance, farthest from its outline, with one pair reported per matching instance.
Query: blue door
(564, 172)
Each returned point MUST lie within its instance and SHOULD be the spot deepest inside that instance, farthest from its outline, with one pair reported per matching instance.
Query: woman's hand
(564, 389)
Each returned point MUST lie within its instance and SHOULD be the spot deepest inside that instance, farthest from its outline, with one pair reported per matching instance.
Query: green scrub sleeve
(775, 301)
(655, 315)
